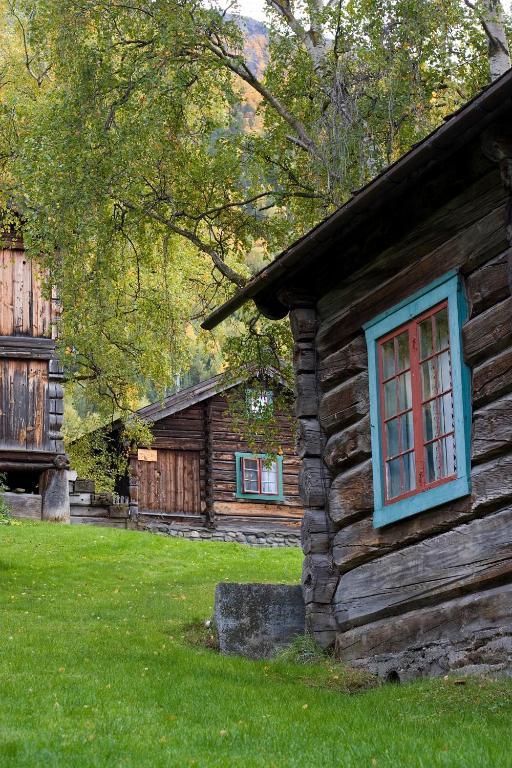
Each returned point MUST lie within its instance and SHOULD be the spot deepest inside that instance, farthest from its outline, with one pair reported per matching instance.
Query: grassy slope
(94, 670)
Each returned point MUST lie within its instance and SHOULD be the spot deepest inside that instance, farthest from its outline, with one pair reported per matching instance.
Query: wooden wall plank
(345, 404)
(467, 558)
(6, 296)
(488, 333)
(493, 378)
(488, 285)
(492, 429)
(469, 248)
(37, 404)
(451, 622)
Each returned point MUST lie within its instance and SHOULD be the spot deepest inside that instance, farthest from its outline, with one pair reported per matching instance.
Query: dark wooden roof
(459, 129)
(196, 394)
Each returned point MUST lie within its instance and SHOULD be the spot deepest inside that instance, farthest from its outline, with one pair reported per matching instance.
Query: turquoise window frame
(447, 288)
(258, 496)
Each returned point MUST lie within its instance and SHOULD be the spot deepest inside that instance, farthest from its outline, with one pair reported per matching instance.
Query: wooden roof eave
(457, 131)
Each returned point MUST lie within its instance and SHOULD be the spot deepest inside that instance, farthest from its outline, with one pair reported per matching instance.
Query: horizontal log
(343, 364)
(347, 403)
(313, 482)
(351, 445)
(104, 522)
(319, 578)
(81, 510)
(23, 505)
(470, 557)
(492, 483)
(120, 511)
(315, 532)
(359, 542)
(309, 438)
(493, 378)
(469, 248)
(429, 233)
(248, 508)
(306, 400)
(351, 494)
(39, 344)
(456, 622)
(488, 333)
(303, 323)
(492, 429)
(489, 284)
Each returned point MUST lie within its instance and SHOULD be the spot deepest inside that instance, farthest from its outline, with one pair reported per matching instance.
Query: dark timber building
(401, 309)
(32, 457)
(199, 472)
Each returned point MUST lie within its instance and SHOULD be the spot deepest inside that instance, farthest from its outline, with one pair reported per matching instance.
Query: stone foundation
(252, 538)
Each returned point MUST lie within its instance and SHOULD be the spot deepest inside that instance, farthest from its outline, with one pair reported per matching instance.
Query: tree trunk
(493, 23)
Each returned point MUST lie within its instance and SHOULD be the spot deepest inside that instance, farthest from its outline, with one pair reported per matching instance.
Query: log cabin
(199, 472)
(401, 310)
(32, 457)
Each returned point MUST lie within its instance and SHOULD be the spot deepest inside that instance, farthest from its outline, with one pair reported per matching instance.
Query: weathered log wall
(358, 577)
(224, 444)
(31, 394)
(205, 430)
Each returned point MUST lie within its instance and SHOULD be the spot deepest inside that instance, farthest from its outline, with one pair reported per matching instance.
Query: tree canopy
(148, 195)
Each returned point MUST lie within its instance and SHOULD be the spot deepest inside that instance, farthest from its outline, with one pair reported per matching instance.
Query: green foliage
(5, 515)
(325, 671)
(124, 147)
(303, 650)
(97, 450)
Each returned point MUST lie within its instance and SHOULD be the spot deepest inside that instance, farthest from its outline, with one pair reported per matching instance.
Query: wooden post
(314, 478)
(54, 488)
(133, 485)
(208, 460)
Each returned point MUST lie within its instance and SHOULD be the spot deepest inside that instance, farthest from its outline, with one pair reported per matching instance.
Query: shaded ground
(95, 670)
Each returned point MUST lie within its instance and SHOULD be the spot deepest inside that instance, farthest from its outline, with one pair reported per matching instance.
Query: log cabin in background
(32, 457)
(401, 311)
(198, 472)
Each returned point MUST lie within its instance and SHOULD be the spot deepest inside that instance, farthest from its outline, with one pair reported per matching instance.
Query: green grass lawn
(95, 670)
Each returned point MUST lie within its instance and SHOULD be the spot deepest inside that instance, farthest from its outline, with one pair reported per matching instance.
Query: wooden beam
(470, 557)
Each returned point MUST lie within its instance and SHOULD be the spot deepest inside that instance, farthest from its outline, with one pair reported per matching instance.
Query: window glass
(258, 400)
(417, 405)
(269, 478)
(259, 478)
(250, 472)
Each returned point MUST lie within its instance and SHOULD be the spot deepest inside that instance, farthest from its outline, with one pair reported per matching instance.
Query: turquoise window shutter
(263, 497)
(446, 289)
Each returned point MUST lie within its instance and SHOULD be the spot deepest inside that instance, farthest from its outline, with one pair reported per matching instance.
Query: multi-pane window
(417, 405)
(258, 476)
(420, 402)
(259, 401)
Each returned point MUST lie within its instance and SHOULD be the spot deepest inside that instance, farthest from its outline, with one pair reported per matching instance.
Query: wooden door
(171, 483)
(23, 404)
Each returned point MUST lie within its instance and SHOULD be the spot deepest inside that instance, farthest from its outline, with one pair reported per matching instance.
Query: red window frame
(260, 492)
(417, 402)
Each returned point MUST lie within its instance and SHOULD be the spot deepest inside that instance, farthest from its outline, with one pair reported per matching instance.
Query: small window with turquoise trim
(259, 477)
(420, 402)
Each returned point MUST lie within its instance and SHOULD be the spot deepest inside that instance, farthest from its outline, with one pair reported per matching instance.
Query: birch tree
(123, 146)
